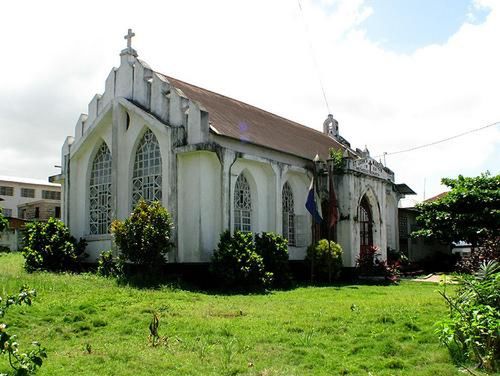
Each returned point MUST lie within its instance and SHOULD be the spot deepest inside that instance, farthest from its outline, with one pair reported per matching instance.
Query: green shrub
(326, 257)
(473, 330)
(107, 265)
(145, 237)
(369, 264)
(273, 249)
(49, 246)
(236, 264)
(488, 251)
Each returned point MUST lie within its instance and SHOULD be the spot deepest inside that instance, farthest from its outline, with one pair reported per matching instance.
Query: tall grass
(92, 326)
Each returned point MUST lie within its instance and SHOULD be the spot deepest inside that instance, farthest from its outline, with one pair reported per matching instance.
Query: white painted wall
(199, 220)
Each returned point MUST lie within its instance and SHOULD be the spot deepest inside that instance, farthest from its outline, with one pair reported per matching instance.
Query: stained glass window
(146, 179)
(365, 225)
(242, 205)
(100, 192)
(288, 214)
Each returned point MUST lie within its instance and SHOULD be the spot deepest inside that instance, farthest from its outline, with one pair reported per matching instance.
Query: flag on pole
(333, 213)
(313, 204)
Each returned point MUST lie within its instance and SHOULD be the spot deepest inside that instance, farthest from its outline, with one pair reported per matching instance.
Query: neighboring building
(11, 238)
(40, 210)
(21, 194)
(215, 163)
(418, 249)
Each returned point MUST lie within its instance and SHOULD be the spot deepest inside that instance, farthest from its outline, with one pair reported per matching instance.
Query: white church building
(215, 163)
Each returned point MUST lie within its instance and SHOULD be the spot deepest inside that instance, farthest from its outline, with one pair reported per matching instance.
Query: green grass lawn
(347, 329)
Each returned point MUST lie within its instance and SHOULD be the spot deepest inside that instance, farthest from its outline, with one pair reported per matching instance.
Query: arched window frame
(242, 205)
(100, 192)
(147, 170)
(288, 211)
(365, 220)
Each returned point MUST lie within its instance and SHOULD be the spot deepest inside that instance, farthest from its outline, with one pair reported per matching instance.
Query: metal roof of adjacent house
(19, 180)
(437, 197)
(241, 121)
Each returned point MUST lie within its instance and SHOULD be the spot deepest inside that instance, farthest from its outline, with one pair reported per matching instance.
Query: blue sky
(406, 25)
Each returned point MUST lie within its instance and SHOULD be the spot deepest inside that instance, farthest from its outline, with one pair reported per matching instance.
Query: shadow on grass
(209, 286)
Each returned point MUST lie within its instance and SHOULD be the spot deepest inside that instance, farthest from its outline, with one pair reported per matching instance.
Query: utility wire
(313, 56)
(439, 141)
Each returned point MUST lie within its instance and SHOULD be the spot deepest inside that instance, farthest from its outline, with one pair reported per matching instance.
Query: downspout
(68, 185)
(236, 156)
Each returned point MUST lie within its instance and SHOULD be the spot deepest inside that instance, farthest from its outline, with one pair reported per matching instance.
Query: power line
(439, 141)
(313, 56)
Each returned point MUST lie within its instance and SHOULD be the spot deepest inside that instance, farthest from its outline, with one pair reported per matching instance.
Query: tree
(469, 212)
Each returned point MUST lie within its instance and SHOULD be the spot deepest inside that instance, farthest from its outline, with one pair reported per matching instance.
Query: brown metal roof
(232, 118)
(437, 197)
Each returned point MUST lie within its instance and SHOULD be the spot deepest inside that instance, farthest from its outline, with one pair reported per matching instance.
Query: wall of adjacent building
(12, 202)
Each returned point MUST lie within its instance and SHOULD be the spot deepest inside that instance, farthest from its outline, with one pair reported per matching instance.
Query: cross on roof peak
(129, 50)
(128, 37)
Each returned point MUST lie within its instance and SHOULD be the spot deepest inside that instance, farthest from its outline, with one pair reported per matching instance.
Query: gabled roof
(437, 197)
(238, 120)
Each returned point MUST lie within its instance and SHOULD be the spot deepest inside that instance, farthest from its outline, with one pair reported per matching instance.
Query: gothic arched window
(146, 178)
(365, 225)
(100, 192)
(287, 206)
(242, 205)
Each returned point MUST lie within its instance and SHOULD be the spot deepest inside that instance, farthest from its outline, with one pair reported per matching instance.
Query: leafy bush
(473, 330)
(369, 264)
(22, 363)
(326, 257)
(145, 237)
(273, 249)
(393, 255)
(488, 251)
(49, 246)
(107, 265)
(236, 264)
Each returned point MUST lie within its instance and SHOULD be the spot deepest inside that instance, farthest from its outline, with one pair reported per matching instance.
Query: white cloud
(57, 55)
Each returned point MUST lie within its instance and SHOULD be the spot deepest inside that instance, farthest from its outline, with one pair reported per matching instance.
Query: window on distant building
(51, 195)
(6, 191)
(287, 205)
(37, 212)
(146, 178)
(100, 192)
(28, 192)
(242, 205)
(7, 212)
(57, 212)
(403, 226)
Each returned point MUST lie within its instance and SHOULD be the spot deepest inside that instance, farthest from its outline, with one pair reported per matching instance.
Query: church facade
(215, 163)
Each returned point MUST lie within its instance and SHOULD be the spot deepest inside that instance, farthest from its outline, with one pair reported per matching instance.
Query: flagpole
(313, 226)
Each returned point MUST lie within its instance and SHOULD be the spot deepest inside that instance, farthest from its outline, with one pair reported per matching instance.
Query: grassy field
(91, 326)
